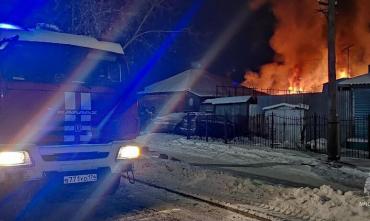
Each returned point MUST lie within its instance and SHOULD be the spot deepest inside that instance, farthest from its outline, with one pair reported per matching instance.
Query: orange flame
(300, 45)
(341, 73)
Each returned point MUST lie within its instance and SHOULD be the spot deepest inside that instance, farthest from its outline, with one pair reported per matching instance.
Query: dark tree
(139, 25)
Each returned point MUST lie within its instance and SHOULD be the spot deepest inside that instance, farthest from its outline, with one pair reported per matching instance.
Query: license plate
(81, 178)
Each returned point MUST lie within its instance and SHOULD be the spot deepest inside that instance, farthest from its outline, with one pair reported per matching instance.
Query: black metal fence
(303, 133)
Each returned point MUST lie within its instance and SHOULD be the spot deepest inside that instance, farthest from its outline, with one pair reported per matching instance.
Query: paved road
(131, 202)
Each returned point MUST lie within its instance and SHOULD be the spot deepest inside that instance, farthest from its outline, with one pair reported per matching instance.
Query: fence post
(225, 129)
(272, 130)
(315, 131)
(188, 126)
(206, 127)
(247, 119)
(368, 135)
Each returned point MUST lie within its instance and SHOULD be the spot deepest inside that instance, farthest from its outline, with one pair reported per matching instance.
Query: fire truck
(67, 117)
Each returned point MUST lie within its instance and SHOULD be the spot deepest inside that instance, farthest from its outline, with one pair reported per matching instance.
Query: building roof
(44, 36)
(359, 80)
(228, 100)
(292, 106)
(196, 81)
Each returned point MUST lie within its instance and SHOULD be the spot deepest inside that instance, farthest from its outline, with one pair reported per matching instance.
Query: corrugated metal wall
(345, 104)
(361, 99)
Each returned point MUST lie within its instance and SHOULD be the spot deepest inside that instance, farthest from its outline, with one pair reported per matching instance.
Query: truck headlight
(14, 158)
(128, 152)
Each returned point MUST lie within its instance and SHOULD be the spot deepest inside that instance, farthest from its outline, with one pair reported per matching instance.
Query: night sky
(247, 50)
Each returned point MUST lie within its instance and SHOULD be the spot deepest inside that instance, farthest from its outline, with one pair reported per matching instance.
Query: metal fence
(228, 91)
(307, 133)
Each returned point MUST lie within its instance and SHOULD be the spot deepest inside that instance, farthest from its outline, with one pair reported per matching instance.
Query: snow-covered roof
(292, 106)
(196, 81)
(44, 36)
(228, 100)
(359, 80)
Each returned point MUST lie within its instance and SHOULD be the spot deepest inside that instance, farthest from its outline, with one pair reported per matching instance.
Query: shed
(286, 110)
(287, 122)
(182, 92)
(358, 91)
(231, 106)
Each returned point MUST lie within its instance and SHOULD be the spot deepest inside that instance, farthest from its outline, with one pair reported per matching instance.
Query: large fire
(300, 44)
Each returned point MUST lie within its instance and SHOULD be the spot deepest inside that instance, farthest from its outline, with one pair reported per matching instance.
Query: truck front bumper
(47, 173)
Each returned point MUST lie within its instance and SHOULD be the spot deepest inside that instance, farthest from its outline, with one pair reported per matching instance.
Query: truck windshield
(53, 63)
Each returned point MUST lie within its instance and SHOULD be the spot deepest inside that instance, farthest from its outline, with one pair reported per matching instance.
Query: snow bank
(322, 203)
(300, 164)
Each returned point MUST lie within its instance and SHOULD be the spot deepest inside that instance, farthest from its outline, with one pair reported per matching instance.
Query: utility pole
(333, 144)
(332, 134)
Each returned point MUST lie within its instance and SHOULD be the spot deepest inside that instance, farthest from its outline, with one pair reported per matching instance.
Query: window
(53, 63)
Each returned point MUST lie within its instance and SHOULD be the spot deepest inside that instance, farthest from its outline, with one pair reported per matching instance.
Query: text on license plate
(81, 178)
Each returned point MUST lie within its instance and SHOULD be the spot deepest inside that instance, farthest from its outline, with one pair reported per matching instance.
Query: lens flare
(214, 50)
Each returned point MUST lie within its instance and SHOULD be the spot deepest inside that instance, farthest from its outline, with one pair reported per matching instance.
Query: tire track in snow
(247, 212)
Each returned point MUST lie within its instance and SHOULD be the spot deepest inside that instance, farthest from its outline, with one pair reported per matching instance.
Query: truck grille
(75, 156)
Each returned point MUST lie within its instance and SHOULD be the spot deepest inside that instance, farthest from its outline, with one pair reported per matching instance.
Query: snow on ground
(298, 168)
(130, 203)
(301, 184)
(322, 203)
